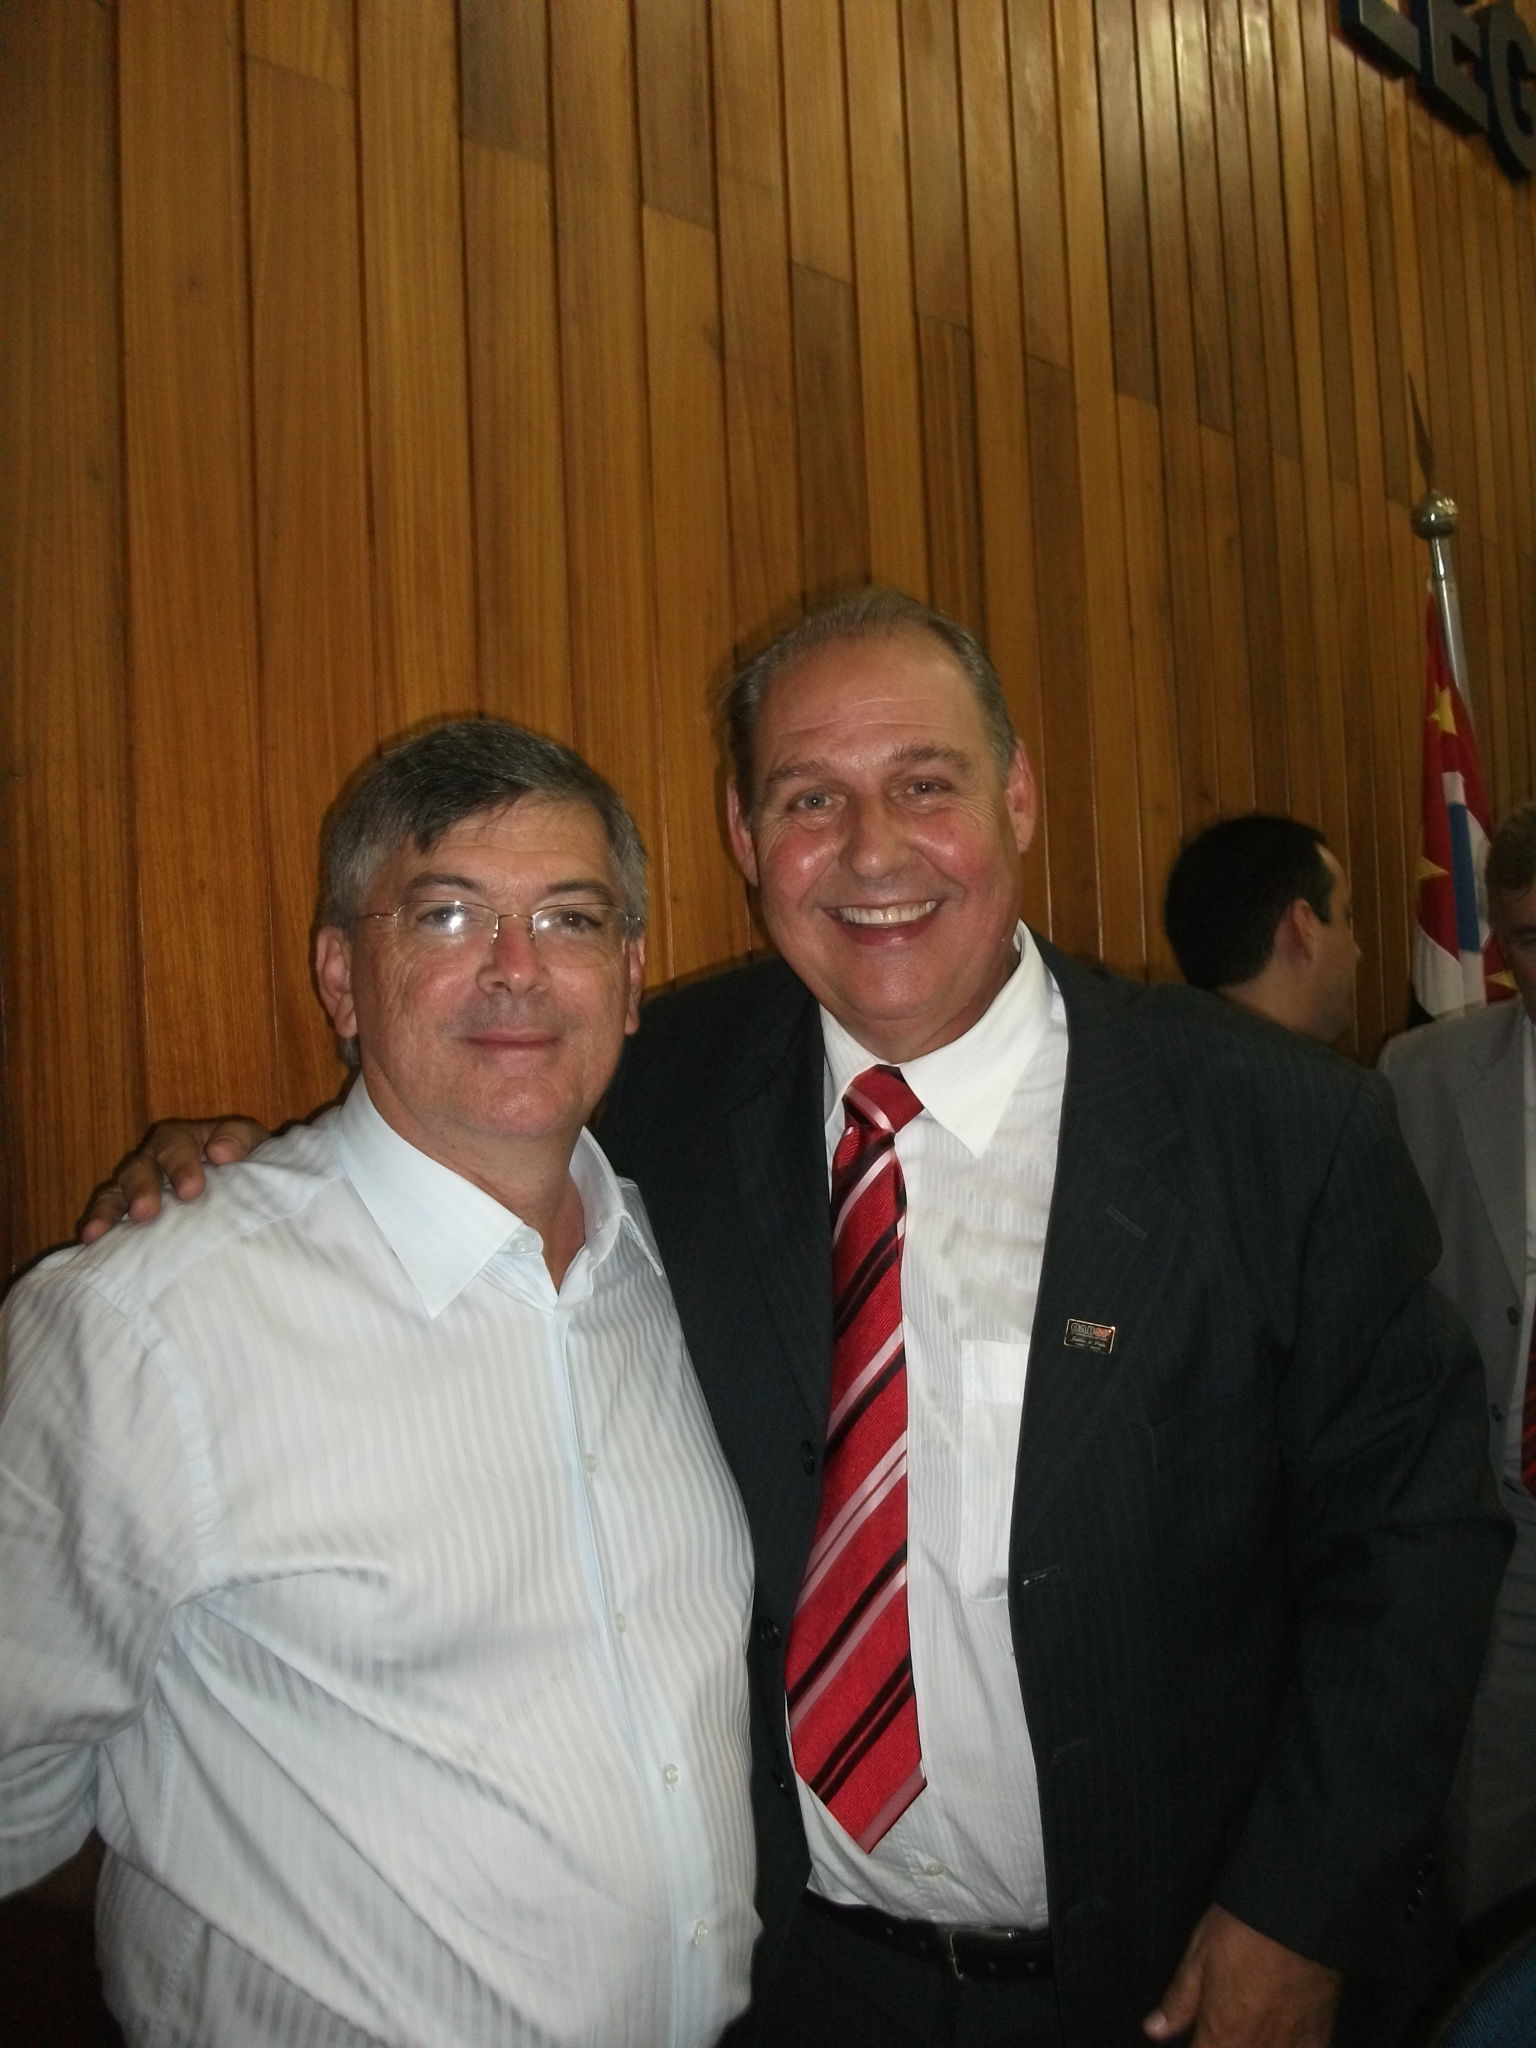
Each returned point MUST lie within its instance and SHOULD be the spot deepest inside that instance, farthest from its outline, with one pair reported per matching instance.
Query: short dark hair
(1229, 889)
(873, 613)
(427, 784)
(1511, 866)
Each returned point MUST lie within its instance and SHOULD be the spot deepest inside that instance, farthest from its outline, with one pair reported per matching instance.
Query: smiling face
(883, 842)
(487, 1056)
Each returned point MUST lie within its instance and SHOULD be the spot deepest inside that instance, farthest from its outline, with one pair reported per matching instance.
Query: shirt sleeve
(97, 1545)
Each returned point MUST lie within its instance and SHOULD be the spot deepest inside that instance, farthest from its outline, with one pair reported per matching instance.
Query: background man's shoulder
(1432, 1054)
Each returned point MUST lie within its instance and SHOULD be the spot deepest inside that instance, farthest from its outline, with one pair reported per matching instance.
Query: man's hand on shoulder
(1239, 1989)
(170, 1151)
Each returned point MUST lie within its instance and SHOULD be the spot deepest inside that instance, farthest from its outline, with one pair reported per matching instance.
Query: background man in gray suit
(1466, 1094)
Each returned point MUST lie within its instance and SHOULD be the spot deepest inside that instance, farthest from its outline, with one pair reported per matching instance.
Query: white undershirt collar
(966, 1084)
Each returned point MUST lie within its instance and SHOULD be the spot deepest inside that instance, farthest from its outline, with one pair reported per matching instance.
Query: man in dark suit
(1161, 1587)
(1250, 1554)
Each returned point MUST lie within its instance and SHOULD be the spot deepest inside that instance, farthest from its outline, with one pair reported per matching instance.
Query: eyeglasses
(560, 931)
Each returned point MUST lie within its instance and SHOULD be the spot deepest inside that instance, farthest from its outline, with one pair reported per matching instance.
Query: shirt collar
(965, 1085)
(441, 1227)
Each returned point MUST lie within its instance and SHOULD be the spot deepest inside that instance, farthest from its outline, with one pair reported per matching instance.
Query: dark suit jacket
(1254, 1548)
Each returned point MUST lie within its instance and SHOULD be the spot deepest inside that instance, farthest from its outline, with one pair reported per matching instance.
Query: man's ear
(1296, 935)
(738, 826)
(333, 978)
(635, 967)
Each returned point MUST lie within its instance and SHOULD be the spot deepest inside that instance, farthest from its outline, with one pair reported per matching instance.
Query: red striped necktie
(852, 1711)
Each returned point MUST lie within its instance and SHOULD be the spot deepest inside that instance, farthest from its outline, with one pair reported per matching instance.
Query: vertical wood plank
(1125, 202)
(1156, 695)
(314, 39)
(503, 75)
(676, 130)
(882, 239)
(1233, 720)
(1207, 268)
(1116, 795)
(1037, 158)
(319, 717)
(756, 323)
(72, 1088)
(949, 434)
(209, 1034)
(1316, 697)
(934, 165)
(706, 901)
(1194, 665)
(1002, 419)
(418, 404)
(816, 137)
(1327, 236)
(834, 493)
(521, 570)
(1064, 762)
(607, 456)
(1252, 444)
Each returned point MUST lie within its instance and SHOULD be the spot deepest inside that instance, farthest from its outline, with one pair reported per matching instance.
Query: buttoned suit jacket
(1253, 1546)
(1460, 1088)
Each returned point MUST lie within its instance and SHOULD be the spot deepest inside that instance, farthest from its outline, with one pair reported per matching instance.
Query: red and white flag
(1457, 964)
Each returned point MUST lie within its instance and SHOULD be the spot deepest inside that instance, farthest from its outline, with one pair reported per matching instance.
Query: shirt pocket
(992, 1382)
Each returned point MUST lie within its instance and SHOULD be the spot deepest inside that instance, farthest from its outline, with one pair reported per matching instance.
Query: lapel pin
(1082, 1336)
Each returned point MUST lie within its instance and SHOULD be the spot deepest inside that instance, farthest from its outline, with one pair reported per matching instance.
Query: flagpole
(1434, 520)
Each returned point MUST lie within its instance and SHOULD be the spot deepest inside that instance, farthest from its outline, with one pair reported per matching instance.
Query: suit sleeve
(1396, 1549)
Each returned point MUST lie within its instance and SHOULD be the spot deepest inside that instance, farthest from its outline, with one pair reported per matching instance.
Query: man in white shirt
(1466, 1093)
(373, 1579)
(1257, 910)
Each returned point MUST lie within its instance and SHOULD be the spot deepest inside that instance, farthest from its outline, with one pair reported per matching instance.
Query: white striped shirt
(980, 1167)
(383, 1608)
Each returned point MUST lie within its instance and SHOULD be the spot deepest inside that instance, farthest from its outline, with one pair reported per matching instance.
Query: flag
(1456, 962)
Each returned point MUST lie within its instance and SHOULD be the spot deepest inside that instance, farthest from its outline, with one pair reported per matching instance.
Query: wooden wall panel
(319, 716)
(68, 940)
(541, 356)
(418, 404)
(209, 1032)
(604, 407)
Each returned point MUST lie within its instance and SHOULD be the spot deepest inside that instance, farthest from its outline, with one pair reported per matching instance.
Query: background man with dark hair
(1257, 909)
(1466, 1094)
(1124, 1544)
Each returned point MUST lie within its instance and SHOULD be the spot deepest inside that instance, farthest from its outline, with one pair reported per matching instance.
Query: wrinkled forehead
(521, 827)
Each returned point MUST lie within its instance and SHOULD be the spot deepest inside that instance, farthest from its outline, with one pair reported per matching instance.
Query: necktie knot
(880, 1100)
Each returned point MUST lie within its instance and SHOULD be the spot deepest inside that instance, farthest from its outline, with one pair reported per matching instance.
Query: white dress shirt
(980, 1166)
(385, 1610)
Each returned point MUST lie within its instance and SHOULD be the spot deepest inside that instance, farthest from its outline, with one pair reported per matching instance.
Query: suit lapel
(778, 1160)
(1490, 1107)
(1114, 1237)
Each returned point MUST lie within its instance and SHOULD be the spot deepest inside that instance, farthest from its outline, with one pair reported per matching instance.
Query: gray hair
(1511, 867)
(426, 785)
(869, 614)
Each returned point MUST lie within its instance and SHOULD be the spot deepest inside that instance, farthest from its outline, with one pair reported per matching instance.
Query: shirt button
(933, 1870)
(1496, 1411)
(621, 1621)
(700, 1931)
(669, 1774)
(590, 1462)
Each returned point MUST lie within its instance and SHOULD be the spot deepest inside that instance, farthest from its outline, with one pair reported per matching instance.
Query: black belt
(1001, 1954)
